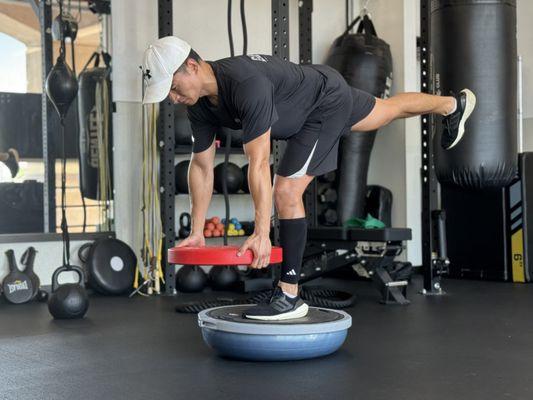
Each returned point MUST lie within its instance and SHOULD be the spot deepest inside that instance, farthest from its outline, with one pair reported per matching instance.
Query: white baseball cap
(161, 59)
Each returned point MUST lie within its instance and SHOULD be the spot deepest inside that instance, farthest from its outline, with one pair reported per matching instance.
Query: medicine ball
(181, 170)
(233, 176)
(223, 278)
(191, 279)
(244, 169)
(182, 126)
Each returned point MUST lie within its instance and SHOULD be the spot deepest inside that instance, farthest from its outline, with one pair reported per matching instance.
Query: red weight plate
(217, 255)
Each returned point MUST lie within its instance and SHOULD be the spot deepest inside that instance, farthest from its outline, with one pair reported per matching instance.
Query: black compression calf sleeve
(292, 238)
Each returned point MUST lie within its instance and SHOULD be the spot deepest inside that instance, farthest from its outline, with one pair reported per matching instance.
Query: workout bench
(374, 249)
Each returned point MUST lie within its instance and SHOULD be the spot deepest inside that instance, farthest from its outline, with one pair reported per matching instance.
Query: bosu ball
(318, 334)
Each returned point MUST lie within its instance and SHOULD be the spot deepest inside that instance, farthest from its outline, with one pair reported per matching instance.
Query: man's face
(186, 85)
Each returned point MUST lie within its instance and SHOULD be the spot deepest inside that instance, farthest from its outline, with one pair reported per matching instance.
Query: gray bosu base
(320, 333)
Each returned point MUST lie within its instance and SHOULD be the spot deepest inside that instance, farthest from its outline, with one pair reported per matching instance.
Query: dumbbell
(328, 195)
(328, 217)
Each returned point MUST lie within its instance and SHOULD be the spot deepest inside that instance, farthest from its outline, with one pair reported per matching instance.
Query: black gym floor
(475, 343)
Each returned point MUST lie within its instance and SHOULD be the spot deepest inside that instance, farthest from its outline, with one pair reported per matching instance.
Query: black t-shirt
(258, 92)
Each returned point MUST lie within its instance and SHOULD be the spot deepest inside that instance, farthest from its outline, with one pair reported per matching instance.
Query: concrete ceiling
(18, 19)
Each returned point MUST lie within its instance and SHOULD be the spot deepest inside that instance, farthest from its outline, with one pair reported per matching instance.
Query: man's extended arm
(259, 181)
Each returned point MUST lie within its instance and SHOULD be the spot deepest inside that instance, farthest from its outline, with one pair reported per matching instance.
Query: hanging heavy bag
(17, 286)
(69, 300)
(473, 45)
(110, 265)
(365, 61)
(93, 143)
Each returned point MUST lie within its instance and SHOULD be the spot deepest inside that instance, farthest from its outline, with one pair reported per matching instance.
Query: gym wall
(204, 25)
(48, 259)
(397, 22)
(525, 38)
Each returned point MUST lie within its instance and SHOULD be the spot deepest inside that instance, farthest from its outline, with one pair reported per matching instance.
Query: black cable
(62, 49)
(230, 34)
(64, 224)
(347, 13)
(244, 30)
(314, 296)
(225, 185)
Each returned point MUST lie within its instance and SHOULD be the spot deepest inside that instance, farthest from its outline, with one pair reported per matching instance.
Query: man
(11, 160)
(309, 106)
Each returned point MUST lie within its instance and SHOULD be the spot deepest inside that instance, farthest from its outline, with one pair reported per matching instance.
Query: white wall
(203, 25)
(525, 49)
(208, 36)
(396, 22)
(47, 260)
(134, 26)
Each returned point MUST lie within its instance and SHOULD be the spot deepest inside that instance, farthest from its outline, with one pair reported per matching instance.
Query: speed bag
(110, 266)
(90, 127)
(473, 45)
(363, 59)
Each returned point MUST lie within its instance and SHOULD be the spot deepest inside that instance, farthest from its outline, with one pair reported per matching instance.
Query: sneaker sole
(470, 105)
(300, 312)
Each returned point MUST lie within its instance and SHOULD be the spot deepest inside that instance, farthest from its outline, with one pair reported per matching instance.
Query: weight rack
(431, 264)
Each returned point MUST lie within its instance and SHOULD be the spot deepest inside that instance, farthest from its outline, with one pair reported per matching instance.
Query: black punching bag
(474, 46)
(365, 61)
(91, 128)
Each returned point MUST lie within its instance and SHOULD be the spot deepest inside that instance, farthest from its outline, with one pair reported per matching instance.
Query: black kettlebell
(70, 300)
(191, 279)
(61, 86)
(223, 278)
(185, 225)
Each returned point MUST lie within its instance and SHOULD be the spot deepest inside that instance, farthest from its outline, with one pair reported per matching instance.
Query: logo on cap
(147, 74)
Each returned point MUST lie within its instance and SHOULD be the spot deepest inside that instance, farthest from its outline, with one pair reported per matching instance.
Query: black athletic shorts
(314, 150)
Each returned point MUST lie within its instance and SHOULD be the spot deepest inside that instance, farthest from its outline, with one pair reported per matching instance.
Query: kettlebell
(191, 279)
(223, 278)
(70, 300)
(185, 225)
